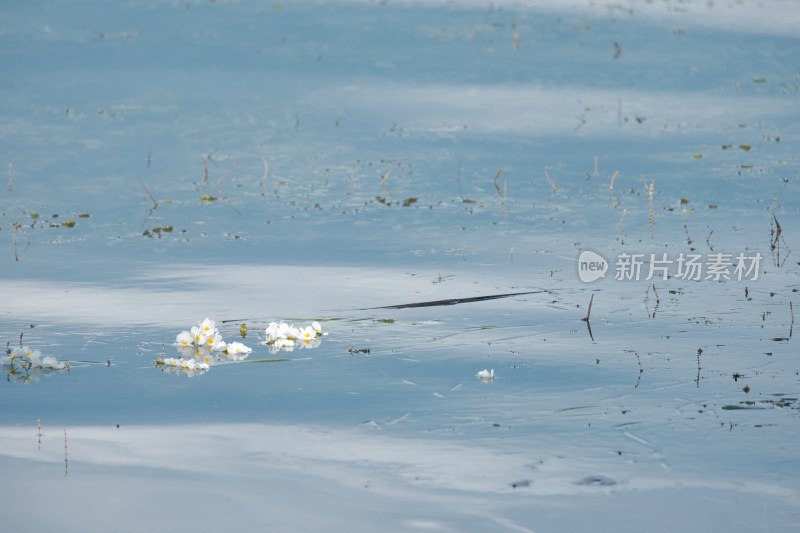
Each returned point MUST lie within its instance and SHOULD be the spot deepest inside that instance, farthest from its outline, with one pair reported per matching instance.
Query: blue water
(253, 162)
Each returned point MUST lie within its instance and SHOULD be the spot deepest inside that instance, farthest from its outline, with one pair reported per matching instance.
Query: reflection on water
(275, 472)
(294, 168)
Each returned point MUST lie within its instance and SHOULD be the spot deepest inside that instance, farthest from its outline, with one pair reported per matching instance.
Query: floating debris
(741, 406)
(352, 351)
(597, 481)
(485, 375)
(157, 231)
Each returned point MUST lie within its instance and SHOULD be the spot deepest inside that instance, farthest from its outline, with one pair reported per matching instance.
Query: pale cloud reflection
(293, 476)
(749, 17)
(169, 297)
(541, 110)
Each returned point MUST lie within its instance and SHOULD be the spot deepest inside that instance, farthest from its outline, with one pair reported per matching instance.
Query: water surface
(253, 162)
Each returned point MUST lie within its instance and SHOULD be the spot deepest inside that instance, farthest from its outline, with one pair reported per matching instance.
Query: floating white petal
(485, 375)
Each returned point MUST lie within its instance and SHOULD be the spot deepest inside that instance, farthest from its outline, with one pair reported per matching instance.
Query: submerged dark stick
(589, 311)
(588, 316)
(453, 301)
(432, 303)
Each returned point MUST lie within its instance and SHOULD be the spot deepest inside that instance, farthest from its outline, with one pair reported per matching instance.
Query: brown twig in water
(613, 179)
(458, 177)
(641, 371)
(614, 199)
(501, 192)
(776, 237)
(588, 316)
(589, 310)
(697, 380)
(494, 181)
(651, 194)
(776, 232)
(155, 203)
(16, 227)
(791, 325)
(658, 301)
(551, 182)
(454, 301)
(66, 464)
(688, 237)
(388, 173)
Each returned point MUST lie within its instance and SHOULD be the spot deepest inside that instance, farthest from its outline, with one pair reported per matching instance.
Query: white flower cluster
(203, 335)
(190, 366)
(202, 346)
(24, 362)
(282, 336)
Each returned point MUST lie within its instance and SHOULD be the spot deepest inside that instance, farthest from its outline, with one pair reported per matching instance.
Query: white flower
(214, 342)
(237, 351)
(307, 334)
(308, 338)
(190, 366)
(198, 337)
(33, 359)
(52, 362)
(184, 339)
(485, 375)
(282, 336)
(286, 331)
(281, 330)
(25, 352)
(286, 344)
(238, 348)
(312, 343)
(208, 327)
(189, 351)
(272, 331)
